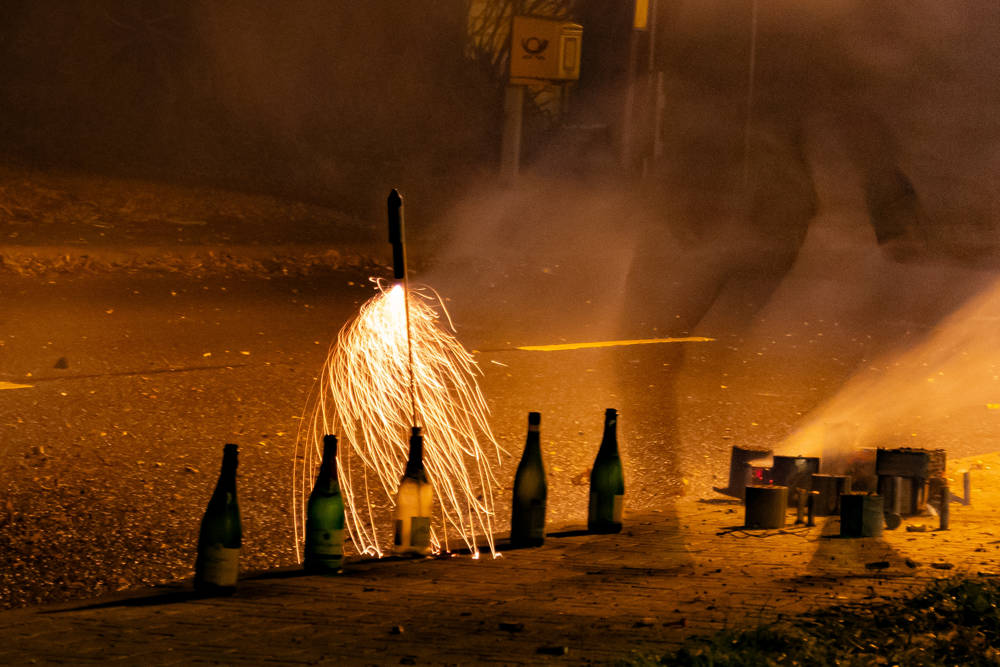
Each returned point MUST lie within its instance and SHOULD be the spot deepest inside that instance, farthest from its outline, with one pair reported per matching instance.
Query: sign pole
(510, 145)
(628, 126)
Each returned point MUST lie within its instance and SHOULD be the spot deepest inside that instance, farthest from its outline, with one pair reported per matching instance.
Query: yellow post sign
(641, 17)
(544, 49)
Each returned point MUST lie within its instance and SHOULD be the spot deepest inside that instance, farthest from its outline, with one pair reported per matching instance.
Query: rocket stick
(397, 239)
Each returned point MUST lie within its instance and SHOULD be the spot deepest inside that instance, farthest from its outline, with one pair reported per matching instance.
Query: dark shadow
(283, 573)
(149, 600)
(834, 553)
(577, 532)
(720, 501)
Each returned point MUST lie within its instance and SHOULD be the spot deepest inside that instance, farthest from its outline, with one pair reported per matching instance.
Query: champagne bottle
(607, 481)
(414, 501)
(216, 568)
(324, 552)
(527, 521)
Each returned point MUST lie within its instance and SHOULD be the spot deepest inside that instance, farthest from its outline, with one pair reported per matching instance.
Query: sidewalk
(85, 222)
(580, 598)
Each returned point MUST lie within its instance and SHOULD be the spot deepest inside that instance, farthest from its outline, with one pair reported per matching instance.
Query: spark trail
(364, 396)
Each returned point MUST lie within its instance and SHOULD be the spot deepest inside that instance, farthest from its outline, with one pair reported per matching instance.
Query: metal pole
(510, 146)
(751, 83)
(625, 150)
(945, 514)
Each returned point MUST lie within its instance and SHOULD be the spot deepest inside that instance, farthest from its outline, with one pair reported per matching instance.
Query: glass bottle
(324, 550)
(607, 481)
(527, 521)
(216, 567)
(414, 502)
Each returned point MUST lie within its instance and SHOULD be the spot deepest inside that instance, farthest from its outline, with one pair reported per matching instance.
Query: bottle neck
(328, 468)
(609, 442)
(327, 478)
(532, 444)
(227, 475)
(415, 462)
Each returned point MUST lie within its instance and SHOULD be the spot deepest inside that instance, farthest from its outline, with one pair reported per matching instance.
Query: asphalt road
(108, 462)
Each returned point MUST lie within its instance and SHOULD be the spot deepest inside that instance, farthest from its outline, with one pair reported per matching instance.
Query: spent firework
(382, 374)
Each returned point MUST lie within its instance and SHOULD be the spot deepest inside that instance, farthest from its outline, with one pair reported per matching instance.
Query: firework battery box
(908, 477)
(544, 50)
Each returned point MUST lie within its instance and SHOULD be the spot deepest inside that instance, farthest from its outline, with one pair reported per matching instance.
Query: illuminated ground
(579, 598)
(109, 462)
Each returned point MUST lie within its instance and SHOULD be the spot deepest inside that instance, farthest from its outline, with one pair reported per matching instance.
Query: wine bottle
(216, 567)
(414, 501)
(607, 481)
(527, 521)
(324, 551)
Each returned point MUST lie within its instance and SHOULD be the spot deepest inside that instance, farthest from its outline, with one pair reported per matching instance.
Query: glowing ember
(363, 396)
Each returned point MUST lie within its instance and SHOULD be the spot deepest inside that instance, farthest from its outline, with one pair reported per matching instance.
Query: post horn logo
(534, 47)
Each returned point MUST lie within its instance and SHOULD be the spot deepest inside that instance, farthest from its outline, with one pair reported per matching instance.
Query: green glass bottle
(324, 551)
(217, 565)
(607, 481)
(414, 502)
(527, 520)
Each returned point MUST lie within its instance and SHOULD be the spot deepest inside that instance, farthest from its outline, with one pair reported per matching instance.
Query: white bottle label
(420, 531)
(328, 542)
(220, 566)
(536, 520)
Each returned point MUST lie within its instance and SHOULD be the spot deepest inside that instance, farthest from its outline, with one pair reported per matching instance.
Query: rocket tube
(395, 210)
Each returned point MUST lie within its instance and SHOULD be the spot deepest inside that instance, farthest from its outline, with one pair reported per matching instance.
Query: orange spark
(363, 396)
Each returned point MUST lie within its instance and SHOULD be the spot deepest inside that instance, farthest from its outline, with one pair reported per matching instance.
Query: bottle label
(606, 509)
(327, 542)
(536, 519)
(420, 531)
(617, 508)
(220, 566)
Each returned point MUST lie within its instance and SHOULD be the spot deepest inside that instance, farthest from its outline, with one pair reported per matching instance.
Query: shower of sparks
(364, 397)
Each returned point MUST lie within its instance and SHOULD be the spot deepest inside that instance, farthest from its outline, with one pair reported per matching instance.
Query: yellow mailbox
(545, 49)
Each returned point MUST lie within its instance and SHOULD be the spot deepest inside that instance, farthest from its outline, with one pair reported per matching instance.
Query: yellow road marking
(11, 385)
(613, 343)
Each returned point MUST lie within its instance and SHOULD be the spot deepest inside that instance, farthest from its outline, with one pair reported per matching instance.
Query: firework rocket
(396, 238)
(394, 353)
(396, 235)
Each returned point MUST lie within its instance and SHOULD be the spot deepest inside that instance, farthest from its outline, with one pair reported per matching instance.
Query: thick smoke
(868, 217)
(854, 181)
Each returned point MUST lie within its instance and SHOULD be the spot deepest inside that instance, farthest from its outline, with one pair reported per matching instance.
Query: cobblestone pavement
(580, 598)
